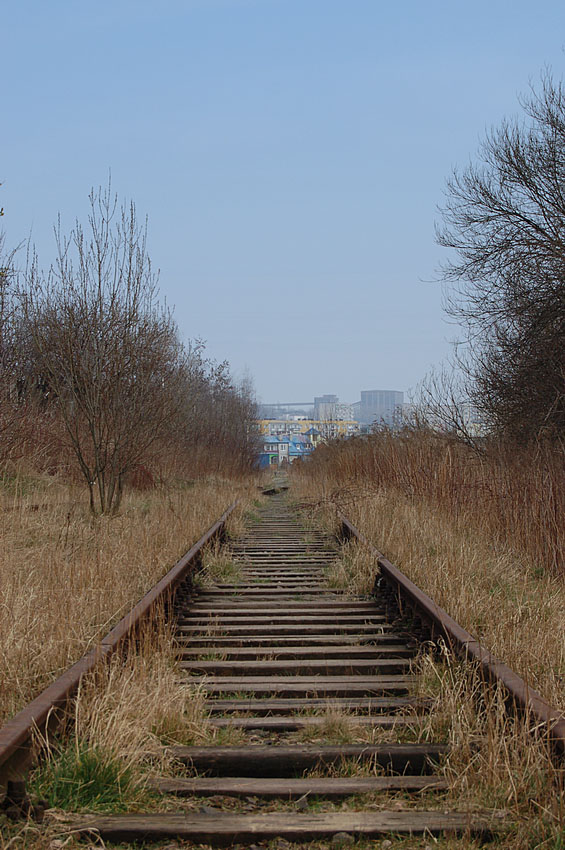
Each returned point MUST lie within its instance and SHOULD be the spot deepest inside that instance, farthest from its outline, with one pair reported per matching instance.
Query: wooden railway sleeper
(18, 805)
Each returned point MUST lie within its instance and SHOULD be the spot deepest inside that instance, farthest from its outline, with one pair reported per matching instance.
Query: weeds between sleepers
(354, 802)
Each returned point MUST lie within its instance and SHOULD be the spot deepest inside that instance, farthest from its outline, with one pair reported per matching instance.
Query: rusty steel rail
(526, 700)
(44, 713)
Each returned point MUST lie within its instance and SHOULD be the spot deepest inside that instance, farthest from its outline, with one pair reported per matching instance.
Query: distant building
(269, 452)
(283, 426)
(344, 412)
(332, 429)
(379, 407)
(326, 428)
(276, 451)
(285, 440)
(313, 435)
(462, 418)
(330, 407)
(324, 406)
(300, 446)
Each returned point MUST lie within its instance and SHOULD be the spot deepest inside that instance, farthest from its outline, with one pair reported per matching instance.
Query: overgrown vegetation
(119, 445)
(514, 498)
(504, 221)
(66, 577)
(94, 375)
(78, 778)
(496, 761)
(116, 733)
(423, 500)
(482, 534)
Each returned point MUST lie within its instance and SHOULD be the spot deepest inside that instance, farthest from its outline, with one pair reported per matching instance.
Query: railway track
(281, 658)
(314, 691)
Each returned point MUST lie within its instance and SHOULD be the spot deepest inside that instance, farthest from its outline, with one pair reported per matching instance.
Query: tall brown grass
(483, 536)
(516, 497)
(66, 577)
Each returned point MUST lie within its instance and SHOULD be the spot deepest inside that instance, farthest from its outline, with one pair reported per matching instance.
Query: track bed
(284, 661)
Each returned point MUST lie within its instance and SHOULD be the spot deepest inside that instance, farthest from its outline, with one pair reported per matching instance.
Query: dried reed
(66, 577)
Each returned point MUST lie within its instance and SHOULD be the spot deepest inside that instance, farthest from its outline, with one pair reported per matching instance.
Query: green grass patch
(76, 777)
(251, 518)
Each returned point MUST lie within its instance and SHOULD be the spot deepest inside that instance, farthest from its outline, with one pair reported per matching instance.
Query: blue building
(284, 448)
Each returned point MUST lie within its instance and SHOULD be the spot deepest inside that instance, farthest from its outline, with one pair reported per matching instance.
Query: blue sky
(290, 155)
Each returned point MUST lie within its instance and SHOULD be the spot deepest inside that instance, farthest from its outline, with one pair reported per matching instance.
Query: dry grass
(514, 497)
(467, 553)
(135, 707)
(66, 577)
(516, 612)
(493, 589)
(218, 567)
(117, 734)
(126, 713)
(353, 570)
(496, 760)
(141, 705)
(495, 763)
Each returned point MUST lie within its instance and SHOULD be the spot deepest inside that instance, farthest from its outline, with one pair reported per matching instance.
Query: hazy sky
(290, 155)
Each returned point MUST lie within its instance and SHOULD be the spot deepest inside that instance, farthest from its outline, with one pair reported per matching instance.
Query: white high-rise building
(379, 407)
(325, 406)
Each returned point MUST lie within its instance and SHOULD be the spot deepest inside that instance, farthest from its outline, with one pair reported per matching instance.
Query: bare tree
(106, 352)
(443, 405)
(217, 415)
(505, 219)
(6, 308)
(10, 348)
